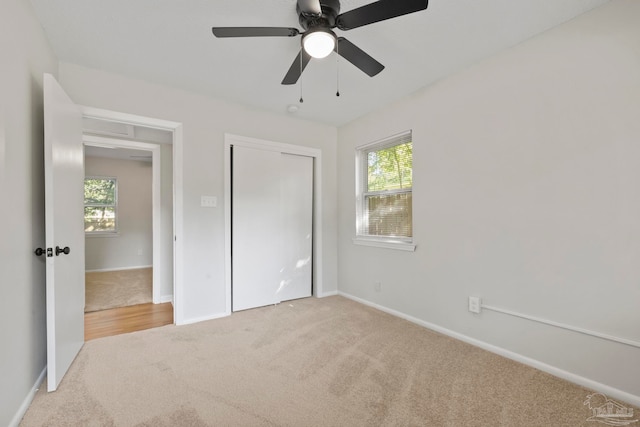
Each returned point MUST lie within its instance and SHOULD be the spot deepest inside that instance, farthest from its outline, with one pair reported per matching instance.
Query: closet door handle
(64, 250)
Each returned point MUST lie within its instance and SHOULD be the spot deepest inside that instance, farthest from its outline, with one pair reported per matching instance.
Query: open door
(64, 205)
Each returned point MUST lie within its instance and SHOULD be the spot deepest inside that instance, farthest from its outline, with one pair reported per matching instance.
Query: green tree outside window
(100, 204)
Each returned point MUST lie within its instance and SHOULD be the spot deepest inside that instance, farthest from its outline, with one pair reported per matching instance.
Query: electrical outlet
(474, 304)
(377, 286)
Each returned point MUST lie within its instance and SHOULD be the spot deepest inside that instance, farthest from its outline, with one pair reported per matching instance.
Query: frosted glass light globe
(319, 44)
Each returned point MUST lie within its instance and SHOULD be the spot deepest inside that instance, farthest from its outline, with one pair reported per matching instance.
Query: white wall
(526, 177)
(205, 121)
(26, 55)
(133, 245)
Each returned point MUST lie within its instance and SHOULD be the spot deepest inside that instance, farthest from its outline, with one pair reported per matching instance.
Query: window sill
(105, 234)
(387, 244)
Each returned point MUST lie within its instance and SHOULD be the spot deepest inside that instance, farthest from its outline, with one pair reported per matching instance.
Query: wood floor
(122, 320)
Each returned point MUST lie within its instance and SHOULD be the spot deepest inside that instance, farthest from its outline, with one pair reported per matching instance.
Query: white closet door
(296, 213)
(272, 204)
(255, 227)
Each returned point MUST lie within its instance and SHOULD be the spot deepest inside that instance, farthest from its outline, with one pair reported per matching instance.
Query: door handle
(48, 251)
(64, 250)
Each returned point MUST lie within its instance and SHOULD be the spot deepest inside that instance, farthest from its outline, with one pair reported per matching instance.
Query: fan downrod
(330, 11)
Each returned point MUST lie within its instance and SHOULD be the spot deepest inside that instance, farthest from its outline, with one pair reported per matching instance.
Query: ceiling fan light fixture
(319, 43)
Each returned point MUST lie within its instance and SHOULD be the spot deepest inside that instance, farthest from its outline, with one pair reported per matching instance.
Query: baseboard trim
(166, 298)
(328, 294)
(28, 399)
(103, 270)
(203, 319)
(557, 372)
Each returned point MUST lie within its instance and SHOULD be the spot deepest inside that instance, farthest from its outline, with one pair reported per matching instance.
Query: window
(100, 205)
(384, 190)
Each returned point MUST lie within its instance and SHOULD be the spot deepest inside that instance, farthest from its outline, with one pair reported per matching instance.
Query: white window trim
(398, 243)
(93, 234)
(384, 243)
(103, 233)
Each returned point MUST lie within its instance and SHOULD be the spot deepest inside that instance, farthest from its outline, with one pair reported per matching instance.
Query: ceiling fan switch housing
(330, 11)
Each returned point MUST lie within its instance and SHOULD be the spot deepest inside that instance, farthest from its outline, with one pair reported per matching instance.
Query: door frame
(156, 167)
(231, 140)
(178, 197)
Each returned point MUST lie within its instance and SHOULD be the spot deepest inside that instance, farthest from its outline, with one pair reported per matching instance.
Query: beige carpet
(111, 289)
(311, 362)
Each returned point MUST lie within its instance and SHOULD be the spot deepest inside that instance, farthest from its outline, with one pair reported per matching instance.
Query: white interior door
(64, 205)
(272, 217)
(255, 225)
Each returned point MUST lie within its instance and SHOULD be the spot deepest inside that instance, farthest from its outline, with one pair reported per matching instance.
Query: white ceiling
(170, 42)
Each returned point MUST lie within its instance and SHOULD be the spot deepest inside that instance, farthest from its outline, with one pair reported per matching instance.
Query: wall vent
(102, 127)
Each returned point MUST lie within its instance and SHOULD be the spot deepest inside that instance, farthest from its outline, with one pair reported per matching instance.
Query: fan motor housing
(330, 10)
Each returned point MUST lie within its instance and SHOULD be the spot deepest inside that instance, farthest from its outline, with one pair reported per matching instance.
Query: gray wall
(132, 246)
(26, 55)
(526, 194)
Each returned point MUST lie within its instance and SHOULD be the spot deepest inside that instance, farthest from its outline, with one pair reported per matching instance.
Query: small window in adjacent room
(384, 180)
(100, 205)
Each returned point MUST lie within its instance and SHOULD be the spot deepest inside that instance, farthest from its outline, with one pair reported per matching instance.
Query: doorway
(129, 263)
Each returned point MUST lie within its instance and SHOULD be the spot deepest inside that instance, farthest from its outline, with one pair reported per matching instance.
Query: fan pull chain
(301, 99)
(338, 69)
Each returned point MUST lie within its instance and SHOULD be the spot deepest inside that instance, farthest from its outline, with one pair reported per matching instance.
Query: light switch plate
(208, 201)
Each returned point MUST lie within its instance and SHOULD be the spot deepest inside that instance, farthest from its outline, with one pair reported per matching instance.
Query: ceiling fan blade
(310, 7)
(378, 11)
(254, 32)
(358, 57)
(296, 69)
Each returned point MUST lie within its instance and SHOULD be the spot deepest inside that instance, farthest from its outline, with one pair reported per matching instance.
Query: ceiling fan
(318, 18)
